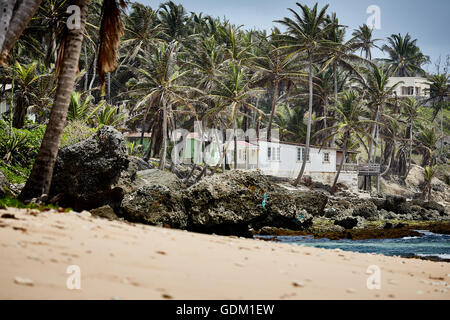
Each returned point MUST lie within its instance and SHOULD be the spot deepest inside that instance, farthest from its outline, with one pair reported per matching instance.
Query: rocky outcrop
(350, 222)
(228, 203)
(85, 173)
(155, 205)
(157, 200)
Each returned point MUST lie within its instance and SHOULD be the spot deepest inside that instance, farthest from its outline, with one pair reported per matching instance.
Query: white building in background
(284, 160)
(417, 87)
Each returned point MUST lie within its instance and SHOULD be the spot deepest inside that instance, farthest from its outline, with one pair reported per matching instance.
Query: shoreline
(120, 260)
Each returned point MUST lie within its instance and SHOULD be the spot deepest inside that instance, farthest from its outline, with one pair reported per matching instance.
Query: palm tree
(234, 90)
(275, 67)
(439, 92)
(41, 175)
(305, 35)
(362, 37)
(348, 111)
(410, 110)
(404, 55)
(158, 90)
(378, 94)
(428, 175)
(16, 22)
(427, 140)
(25, 94)
(142, 29)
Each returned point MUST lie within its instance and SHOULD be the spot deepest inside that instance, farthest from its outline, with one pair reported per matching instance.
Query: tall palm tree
(142, 29)
(349, 111)
(275, 67)
(404, 55)
(158, 90)
(16, 22)
(363, 38)
(411, 113)
(41, 175)
(378, 94)
(306, 35)
(234, 90)
(426, 141)
(439, 92)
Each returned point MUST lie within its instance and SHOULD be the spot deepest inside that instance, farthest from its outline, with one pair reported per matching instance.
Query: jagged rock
(128, 177)
(85, 173)
(350, 222)
(430, 205)
(155, 204)
(331, 212)
(367, 210)
(105, 212)
(228, 202)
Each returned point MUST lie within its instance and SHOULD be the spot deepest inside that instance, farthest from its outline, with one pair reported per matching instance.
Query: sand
(118, 260)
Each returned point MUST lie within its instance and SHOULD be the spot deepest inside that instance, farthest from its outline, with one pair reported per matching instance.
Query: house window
(326, 157)
(301, 155)
(410, 91)
(273, 154)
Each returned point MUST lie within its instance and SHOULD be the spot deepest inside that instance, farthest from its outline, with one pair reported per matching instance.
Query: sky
(427, 21)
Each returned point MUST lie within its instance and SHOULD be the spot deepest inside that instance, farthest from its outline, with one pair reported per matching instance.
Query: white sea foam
(440, 256)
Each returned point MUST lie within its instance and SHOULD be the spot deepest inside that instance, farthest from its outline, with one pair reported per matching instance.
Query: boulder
(85, 173)
(106, 212)
(157, 200)
(155, 205)
(350, 222)
(367, 210)
(229, 202)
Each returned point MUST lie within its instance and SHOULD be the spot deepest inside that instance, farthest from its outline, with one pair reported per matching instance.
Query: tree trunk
(410, 148)
(344, 156)
(274, 106)
(235, 143)
(6, 10)
(442, 132)
(20, 19)
(40, 179)
(308, 132)
(19, 114)
(333, 141)
(163, 152)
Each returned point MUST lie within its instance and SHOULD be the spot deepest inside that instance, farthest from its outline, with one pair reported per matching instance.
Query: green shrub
(75, 132)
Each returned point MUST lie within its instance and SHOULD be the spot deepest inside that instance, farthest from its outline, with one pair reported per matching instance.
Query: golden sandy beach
(118, 260)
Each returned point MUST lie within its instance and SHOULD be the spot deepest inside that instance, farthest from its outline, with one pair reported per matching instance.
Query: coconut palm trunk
(235, 144)
(39, 181)
(6, 9)
(333, 140)
(308, 132)
(341, 165)
(274, 106)
(19, 21)
(163, 152)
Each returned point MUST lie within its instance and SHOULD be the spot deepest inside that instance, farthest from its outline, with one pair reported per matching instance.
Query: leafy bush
(18, 149)
(75, 132)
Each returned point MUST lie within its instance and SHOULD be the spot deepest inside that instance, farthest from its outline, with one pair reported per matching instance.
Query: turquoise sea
(429, 245)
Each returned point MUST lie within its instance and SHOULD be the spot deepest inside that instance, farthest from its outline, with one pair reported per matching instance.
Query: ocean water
(429, 245)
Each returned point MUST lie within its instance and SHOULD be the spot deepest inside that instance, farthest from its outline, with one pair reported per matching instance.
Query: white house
(282, 159)
(417, 87)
